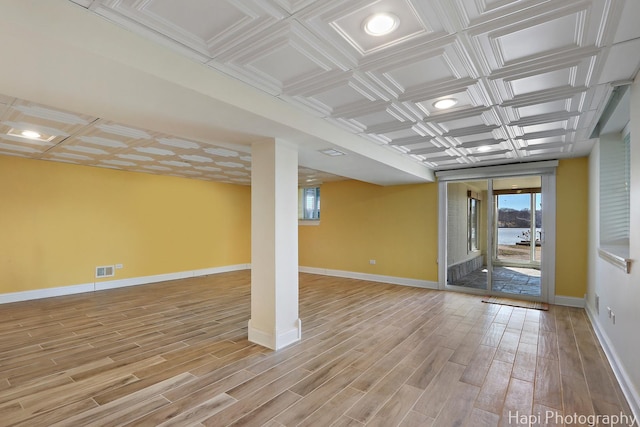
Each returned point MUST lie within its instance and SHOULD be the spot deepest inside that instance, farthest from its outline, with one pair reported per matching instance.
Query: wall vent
(104, 271)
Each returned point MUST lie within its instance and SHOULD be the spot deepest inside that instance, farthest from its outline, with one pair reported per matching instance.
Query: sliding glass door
(517, 227)
(496, 235)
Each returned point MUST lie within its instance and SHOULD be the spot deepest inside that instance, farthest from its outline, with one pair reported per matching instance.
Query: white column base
(275, 340)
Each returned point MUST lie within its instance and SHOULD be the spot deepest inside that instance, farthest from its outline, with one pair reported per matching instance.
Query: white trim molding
(503, 171)
(393, 280)
(277, 339)
(46, 293)
(569, 301)
(630, 393)
(113, 284)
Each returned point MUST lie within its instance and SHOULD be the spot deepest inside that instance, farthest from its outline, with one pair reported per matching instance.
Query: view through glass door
(518, 231)
(494, 236)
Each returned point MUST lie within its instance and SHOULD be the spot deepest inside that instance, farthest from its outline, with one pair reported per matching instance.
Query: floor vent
(105, 271)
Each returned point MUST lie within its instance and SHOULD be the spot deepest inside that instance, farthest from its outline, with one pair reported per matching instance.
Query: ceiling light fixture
(381, 24)
(484, 148)
(31, 134)
(443, 104)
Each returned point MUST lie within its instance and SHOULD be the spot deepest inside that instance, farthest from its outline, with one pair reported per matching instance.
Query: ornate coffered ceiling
(530, 77)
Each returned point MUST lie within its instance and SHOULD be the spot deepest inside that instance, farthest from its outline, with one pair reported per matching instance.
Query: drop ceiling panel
(622, 63)
(558, 30)
(530, 77)
(91, 141)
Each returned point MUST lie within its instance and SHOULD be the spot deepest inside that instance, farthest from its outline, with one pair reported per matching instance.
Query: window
(309, 203)
(473, 218)
(614, 198)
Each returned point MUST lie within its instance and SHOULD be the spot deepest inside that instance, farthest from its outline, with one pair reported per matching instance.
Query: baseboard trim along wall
(113, 284)
(371, 277)
(569, 301)
(633, 398)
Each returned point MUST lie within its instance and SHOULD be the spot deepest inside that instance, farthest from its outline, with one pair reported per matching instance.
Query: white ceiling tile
(421, 72)
(195, 158)
(120, 130)
(155, 151)
(83, 149)
(202, 19)
(623, 61)
(628, 28)
(135, 157)
(175, 163)
(535, 40)
(105, 142)
(545, 81)
(15, 148)
(545, 127)
(179, 143)
(230, 164)
(542, 108)
(285, 64)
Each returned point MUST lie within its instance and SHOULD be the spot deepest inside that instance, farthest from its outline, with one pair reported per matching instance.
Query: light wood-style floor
(176, 353)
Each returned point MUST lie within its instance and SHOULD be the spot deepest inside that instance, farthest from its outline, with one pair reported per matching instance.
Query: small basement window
(309, 204)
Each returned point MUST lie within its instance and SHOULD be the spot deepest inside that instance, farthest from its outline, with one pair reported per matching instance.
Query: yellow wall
(397, 226)
(572, 226)
(59, 221)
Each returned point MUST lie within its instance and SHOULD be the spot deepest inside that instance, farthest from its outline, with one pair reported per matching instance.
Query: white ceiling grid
(526, 73)
(531, 78)
(90, 141)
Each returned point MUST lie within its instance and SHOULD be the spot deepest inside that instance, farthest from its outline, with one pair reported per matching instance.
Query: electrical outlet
(372, 261)
(118, 266)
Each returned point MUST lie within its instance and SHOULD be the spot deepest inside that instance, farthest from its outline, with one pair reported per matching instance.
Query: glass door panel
(517, 235)
(467, 235)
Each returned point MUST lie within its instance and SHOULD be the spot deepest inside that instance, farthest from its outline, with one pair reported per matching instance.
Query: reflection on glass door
(467, 204)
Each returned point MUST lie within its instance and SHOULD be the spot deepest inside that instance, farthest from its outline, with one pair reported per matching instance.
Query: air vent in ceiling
(332, 152)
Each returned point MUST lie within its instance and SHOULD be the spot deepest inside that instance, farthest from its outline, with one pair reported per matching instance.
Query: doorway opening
(495, 236)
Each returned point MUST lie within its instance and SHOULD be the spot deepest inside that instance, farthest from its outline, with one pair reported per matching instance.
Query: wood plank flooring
(176, 353)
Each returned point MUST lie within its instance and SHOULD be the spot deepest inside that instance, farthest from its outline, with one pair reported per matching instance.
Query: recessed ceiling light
(31, 134)
(484, 148)
(443, 104)
(381, 24)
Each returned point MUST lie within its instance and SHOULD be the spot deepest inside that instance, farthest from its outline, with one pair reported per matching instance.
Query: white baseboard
(134, 281)
(45, 293)
(113, 284)
(371, 277)
(274, 340)
(632, 396)
(569, 301)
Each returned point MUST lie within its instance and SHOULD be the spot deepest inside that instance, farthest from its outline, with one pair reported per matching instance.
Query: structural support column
(274, 245)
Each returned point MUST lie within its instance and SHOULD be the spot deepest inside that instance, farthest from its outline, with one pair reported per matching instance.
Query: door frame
(547, 171)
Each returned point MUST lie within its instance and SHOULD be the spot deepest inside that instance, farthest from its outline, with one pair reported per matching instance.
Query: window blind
(614, 190)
